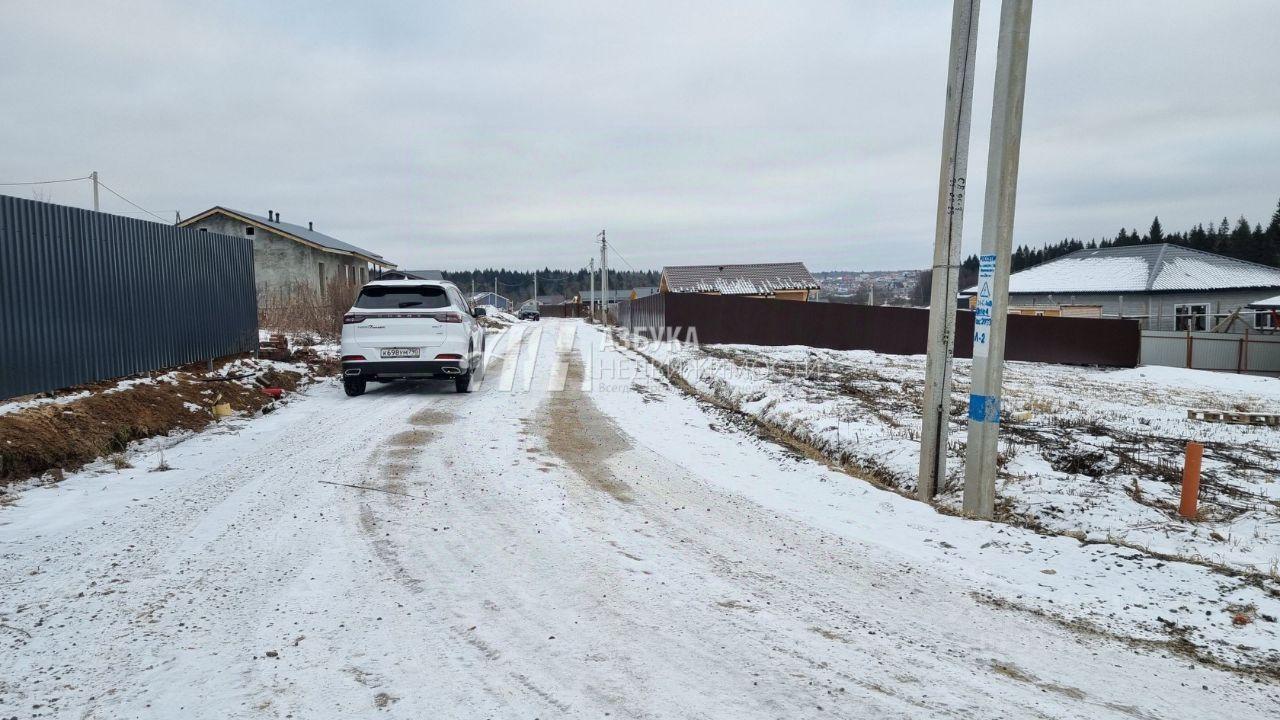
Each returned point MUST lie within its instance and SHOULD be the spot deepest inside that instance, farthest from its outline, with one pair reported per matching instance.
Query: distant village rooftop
(751, 279)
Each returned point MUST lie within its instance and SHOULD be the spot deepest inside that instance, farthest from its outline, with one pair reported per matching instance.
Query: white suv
(401, 329)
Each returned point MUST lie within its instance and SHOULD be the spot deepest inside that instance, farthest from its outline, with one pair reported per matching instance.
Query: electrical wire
(615, 252)
(100, 183)
(113, 192)
(47, 182)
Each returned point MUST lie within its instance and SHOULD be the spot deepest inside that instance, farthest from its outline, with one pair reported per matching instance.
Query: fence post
(1191, 480)
(1190, 342)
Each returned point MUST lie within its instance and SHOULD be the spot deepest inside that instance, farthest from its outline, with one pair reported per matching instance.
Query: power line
(113, 192)
(45, 182)
(102, 184)
(614, 248)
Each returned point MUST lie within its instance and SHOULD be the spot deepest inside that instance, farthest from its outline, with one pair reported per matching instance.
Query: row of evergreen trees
(1243, 241)
(517, 285)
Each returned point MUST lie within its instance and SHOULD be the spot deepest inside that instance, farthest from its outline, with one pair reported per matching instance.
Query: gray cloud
(479, 134)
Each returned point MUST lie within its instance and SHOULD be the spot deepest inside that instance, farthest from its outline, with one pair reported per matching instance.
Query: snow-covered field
(1095, 452)
(577, 539)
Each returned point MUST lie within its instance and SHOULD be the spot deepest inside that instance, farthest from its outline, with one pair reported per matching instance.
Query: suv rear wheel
(353, 386)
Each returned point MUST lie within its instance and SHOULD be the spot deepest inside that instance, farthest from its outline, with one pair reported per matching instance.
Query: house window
(248, 229)
(1265, 320)
(1190, 316)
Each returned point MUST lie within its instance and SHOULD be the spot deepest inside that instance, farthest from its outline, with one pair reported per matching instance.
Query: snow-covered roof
(1159, 267)
(753, 279)
(488, 297)
(1271, 302)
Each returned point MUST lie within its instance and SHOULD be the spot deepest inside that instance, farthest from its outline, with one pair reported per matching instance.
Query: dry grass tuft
(300, 310)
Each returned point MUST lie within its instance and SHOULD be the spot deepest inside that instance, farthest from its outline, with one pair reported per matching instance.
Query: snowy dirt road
(566, 541)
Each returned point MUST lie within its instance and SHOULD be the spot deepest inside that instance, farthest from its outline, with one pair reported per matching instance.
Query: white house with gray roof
(1167, 286)
(289, 258)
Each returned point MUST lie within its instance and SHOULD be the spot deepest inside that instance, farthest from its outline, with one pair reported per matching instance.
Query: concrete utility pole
(945, 275)
(94, 176)
(604, 278)
(535, 289)
(991, 315)
(591, 299)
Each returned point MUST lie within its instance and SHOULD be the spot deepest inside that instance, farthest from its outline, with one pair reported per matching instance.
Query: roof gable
(750, 279)
(295, 232)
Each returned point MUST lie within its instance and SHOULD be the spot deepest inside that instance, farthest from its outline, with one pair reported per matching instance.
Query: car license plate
(399, 352)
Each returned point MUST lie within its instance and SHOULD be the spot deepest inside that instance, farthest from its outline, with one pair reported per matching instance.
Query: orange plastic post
(1191, 480)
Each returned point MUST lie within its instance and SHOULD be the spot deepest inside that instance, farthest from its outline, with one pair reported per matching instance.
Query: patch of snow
(1111, 588)
(1101, 453)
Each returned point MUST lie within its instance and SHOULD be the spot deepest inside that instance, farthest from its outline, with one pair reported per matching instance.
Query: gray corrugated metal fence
(88, 296)
(1231, 352)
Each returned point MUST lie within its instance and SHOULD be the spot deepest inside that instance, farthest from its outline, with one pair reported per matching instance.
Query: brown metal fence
(566, 310)
(892, 330)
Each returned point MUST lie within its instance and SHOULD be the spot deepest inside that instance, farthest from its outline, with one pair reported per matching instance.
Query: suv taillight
(352, 319)
(449, 317)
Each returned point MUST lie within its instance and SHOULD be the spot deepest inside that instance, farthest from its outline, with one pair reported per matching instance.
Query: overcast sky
(467, 134)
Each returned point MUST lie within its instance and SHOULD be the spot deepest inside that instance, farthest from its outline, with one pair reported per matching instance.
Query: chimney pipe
(310, 226)
(270, 215)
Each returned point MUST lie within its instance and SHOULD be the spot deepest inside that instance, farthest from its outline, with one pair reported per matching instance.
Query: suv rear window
(397, 298)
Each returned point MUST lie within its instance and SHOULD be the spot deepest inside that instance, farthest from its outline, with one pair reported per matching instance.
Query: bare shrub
(163, 465)
(298, 308)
